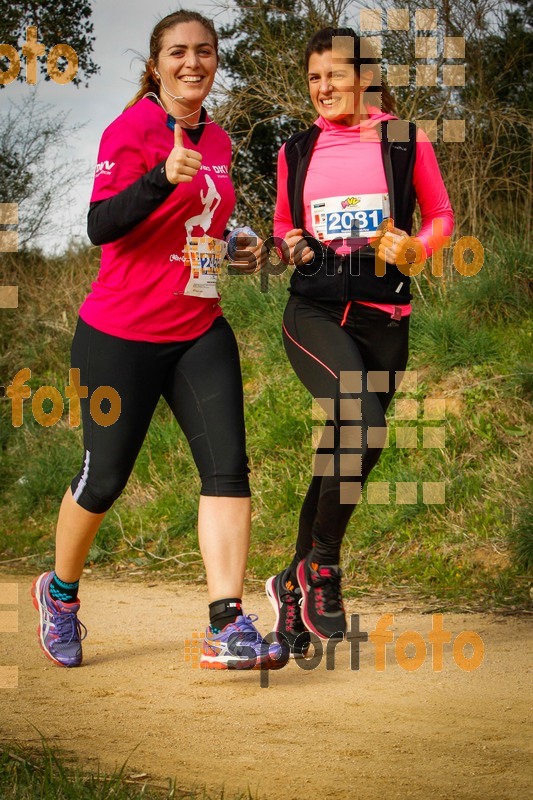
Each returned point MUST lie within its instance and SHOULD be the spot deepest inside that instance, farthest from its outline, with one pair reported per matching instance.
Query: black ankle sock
(222, 612)
(61, 590)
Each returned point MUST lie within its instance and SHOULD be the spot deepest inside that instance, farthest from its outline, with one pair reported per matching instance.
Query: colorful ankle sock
(222, 612)
(61, 590)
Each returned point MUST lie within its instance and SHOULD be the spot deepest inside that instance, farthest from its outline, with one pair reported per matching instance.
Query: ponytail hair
(147, 84)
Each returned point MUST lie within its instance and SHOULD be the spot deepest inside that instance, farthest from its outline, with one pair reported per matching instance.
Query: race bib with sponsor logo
(204, 256)
(352, 216)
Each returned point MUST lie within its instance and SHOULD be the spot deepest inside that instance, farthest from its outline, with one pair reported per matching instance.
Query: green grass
(447, 338)
(522, 532)
(49, 776)
(471, 343)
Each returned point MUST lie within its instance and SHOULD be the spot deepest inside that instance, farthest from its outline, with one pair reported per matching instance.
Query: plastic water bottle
(232, 239)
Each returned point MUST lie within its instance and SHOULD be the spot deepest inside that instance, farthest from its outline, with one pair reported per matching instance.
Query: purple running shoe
(240, 646)
(60, 631)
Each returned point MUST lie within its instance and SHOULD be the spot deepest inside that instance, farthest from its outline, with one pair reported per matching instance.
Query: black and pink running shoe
(286, 597)
(322, 607)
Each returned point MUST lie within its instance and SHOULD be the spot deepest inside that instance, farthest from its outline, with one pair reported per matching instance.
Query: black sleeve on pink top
(113, 218)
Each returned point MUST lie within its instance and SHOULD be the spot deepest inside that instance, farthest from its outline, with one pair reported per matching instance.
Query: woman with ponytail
(153, 327)
(347, 189)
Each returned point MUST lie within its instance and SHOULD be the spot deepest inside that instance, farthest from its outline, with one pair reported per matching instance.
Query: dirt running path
(316, 733)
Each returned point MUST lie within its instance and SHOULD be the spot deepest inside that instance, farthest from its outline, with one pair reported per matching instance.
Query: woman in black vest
(347, 189)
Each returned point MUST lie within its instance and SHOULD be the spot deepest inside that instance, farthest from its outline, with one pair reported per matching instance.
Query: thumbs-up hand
(182, 164)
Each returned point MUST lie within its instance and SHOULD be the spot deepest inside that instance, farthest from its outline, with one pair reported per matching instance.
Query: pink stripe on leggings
(308, 353)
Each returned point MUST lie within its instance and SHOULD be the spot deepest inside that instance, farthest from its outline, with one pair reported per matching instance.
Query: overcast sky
(121, 28)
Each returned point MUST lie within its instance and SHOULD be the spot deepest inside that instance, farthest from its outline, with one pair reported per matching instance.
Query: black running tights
(200, 380)
(352, 370)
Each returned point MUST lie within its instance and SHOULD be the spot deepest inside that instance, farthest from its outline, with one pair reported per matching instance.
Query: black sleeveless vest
(353, 277)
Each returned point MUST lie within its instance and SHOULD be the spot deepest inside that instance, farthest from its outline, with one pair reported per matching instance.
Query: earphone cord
(153, 94)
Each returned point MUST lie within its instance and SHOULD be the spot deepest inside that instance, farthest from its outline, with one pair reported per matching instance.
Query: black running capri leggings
(201, 382)
(351, 364)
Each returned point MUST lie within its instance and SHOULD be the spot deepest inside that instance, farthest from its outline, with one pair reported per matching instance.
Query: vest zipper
(344, 267)
(396, 173)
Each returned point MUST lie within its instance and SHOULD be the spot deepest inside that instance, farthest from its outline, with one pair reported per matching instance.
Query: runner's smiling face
(187, 63)
(334, 88)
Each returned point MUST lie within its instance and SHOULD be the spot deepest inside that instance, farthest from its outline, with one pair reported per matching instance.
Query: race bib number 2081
(355, 216)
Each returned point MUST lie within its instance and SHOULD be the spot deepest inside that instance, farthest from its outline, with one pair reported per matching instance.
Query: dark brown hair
(148, 82)
(322, 42)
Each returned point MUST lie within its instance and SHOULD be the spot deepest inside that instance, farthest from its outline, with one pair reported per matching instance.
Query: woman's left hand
(250, 254)
(392, 244)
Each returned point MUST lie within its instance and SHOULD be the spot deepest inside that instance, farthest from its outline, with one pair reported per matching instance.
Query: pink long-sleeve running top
(347, 160)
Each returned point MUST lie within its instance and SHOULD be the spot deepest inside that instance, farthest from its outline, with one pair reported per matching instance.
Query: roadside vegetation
(48, 775)
(471, 347)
